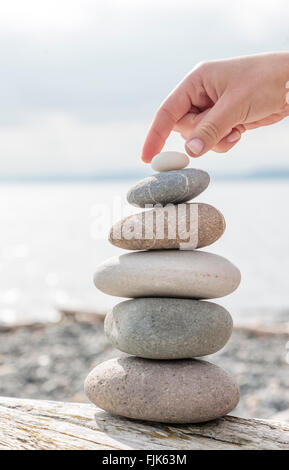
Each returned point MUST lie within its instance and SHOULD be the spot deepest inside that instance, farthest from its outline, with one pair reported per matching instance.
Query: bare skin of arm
(220, 100)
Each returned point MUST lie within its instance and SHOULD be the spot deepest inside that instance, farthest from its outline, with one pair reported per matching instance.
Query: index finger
(176, 105)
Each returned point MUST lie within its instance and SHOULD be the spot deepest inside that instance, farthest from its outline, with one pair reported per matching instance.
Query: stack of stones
(166, 325)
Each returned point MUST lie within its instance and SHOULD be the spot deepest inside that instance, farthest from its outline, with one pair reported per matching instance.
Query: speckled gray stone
(180, 391)
(166, 328)
(175, 186)
(177, 226)
(167, 273)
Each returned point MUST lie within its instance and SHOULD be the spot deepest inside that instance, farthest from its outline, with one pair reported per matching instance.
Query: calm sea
(49, 249)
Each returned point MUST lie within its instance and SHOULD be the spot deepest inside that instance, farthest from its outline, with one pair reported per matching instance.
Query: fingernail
(234, 136)
(195, 146)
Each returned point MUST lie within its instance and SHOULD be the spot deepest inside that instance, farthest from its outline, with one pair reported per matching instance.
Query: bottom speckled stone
(178, 391)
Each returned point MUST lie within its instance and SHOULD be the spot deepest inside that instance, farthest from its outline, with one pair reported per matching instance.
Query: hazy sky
(81, 79)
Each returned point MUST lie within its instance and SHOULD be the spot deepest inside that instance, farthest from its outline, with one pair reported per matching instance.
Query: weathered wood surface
(37, 424)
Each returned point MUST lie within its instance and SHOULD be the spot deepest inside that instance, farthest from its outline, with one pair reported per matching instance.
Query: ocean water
(50, 245)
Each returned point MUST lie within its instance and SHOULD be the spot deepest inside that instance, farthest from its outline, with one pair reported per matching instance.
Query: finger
(216, 124)
(224, 147)
(273, 119)
(228, 142)
(173, 108)
(188, 123)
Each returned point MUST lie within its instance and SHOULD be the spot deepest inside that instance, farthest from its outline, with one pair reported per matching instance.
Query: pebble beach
(51, 362)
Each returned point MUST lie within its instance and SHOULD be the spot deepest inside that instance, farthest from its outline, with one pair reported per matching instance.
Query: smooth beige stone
(168, 161)
(180, 391)
(167, 273)
(182, 226)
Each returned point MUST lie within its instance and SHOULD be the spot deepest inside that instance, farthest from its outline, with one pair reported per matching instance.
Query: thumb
(216, 124)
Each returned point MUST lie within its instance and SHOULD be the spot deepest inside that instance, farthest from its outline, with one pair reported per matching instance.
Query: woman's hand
(220, 100)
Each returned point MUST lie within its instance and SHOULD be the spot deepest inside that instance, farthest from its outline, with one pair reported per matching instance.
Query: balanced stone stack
(166, 324)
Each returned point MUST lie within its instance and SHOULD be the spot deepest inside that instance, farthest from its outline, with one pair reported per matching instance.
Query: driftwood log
(37, 424)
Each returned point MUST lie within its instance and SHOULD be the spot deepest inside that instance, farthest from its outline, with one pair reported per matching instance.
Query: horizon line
(270, 173)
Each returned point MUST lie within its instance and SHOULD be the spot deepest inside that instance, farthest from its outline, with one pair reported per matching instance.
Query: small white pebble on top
(167, 161)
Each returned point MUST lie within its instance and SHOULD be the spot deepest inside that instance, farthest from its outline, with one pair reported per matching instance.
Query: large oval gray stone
(167, 273)
(176, 226)
(166, 328)
(175, 186)
(181, 391)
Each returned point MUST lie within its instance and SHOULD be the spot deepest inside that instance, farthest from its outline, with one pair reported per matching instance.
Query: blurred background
(80, 83)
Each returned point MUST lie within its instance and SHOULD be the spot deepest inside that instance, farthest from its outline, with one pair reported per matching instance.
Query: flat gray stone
(175, 187)
(166, 328)
(176, 226)
(181, 391)
(167, 273)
